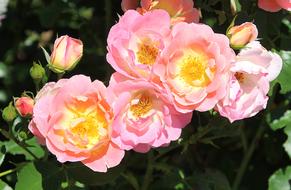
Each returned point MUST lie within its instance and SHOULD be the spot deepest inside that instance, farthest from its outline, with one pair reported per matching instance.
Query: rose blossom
(252, 71)
(74, 120)
(144, 116)
(274, 5)
(136, 41)
(179, 10)
(195, 67)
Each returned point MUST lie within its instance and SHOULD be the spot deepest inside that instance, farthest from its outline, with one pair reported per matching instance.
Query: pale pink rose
(243, 34)
(74, 120)
(274, 5)
(144, 116)
(254, 68)
(195, 67)
(24, 106)
(179, 10)
(256, 53)
(247, 92)
(136, 42)
(66, 54)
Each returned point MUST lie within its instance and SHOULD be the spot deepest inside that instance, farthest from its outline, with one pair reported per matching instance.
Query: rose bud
(9, 113)
(66, 54)
(24, 106)
(241, 35)
(37, 72)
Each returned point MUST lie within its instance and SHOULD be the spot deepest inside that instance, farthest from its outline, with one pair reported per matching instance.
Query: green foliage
(32, 144)
(284, 77)
(280, 179)
(284, 121)
(212, 154)
(29, 177)
(210, 180)
(4, 186)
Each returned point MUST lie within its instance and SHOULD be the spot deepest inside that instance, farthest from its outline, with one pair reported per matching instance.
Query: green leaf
(209, 180)
(29, 177)
(280, 180)
(2, 153)
(4, 186)
(2, 156)
(284, 77)
(51, 175)
(87, 176)
(284, 121)
(235, 6)
(33, 146)
(40, 176)
(46, 54)
(287, 143)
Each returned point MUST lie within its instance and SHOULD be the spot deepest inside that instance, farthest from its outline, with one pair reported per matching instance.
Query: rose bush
(158, 101)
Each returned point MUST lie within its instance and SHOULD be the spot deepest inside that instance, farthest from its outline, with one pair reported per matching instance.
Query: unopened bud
(66, 54)
(37, 72)
(24, 106)
(9, 113)
(241, 35)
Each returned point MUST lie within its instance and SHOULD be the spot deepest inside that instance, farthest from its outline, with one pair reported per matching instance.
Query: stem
(10, 136)
(67, 177)
(36, 84)
(169, 149)
(8, 172)
(247, 157)
(243, 139)
(149, 172)
(60, 75)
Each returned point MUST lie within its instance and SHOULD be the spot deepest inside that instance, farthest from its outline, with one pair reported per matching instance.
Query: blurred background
(212, 160)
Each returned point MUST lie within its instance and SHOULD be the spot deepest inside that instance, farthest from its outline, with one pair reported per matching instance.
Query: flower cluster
(166, 68)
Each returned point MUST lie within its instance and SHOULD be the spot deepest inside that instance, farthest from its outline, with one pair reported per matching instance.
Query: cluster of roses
(165, 70)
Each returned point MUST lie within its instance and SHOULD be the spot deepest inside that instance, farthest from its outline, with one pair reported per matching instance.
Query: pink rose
(274, 5)
(243, 34)
(195, 67)
(257, 54)
(66, 54)
(24, 106)
(136, 42)
(254, 68)
(179, 10)
(144, 116)
(74, 120)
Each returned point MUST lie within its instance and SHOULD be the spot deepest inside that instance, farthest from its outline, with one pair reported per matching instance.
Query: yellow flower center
(192, 69)
(240, 77)
(87, 125)
(147, 54)
(142, 107)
